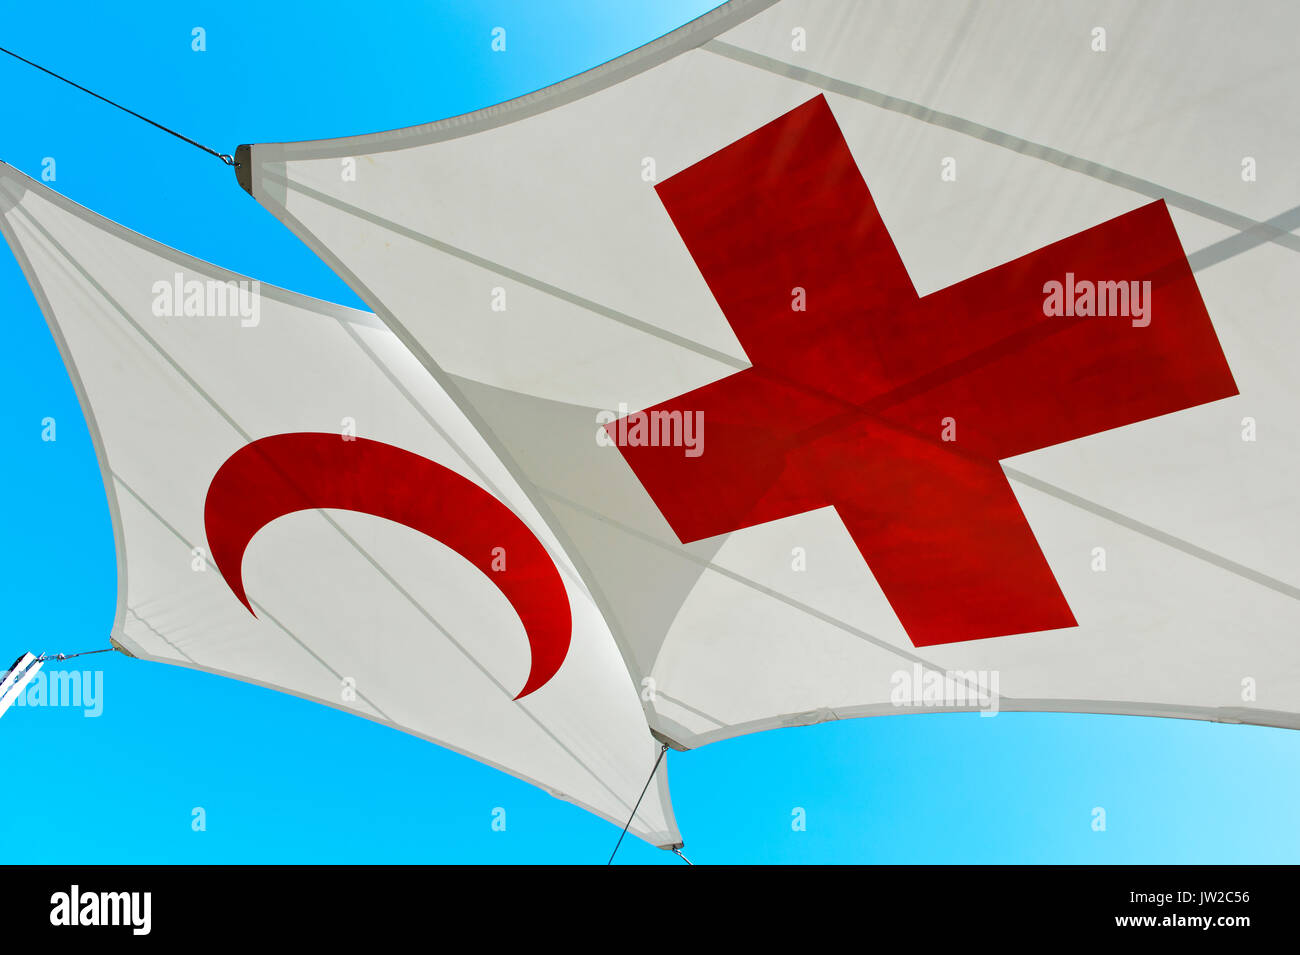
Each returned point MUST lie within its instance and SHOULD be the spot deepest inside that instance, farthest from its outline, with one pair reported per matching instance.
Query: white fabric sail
(634, 237)
(401, 576)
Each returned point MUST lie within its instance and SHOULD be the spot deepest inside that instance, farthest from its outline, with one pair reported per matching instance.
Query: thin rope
(68, 656)
(644, 789)
(228, 160)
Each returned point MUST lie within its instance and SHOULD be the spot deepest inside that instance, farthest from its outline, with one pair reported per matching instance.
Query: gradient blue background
(283, 780)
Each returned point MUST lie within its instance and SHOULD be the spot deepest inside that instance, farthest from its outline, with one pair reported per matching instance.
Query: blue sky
(284, 780)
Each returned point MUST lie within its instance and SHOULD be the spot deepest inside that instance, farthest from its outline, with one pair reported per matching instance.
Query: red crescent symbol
(284, 473)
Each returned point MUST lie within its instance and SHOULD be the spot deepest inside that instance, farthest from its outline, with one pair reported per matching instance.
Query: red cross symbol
(846, 403)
